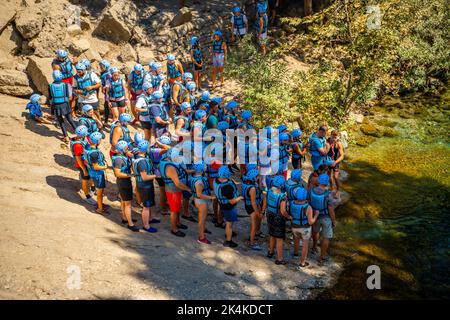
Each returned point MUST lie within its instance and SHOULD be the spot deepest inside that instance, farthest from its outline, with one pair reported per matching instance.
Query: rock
(40, 71)
(85, 24)
(184, 15)
(92, 55)
(371, 130)
(74, 30)
(389, 132)
(127, 54)
(29, 22)
(364, 141)
(357, 117)
(15, 83)
(127, 67)
(78, 46)
(8, 13)
(10, 41)
(145, 55)
(386, 123)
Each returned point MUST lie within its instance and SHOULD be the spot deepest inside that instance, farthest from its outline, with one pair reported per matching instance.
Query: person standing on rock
(85, 86)
(197, 58)
(174, 69)
(239, 24)
(105, 76)
(261, 24)
(219, 57)
(253, 199)
(135, 82)
(143, 103)
(336, 153)
(319, 199)
(318, 147)
(60, 94)
(65, 64)
(116, 91)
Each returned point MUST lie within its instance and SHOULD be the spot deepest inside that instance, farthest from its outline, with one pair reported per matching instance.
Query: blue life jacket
(155, 81)
(148, 169)
(265, 22)
(217, 46)
(137, 80)
(90, 124)
(173, 71)
(182, 174)
(319, 202)
(298, 213)
(187, 123)
(295, 155)
(233, 124)
(116, 90)
(206, 189)
(198, 56)
(181, 92)
(274, 201)
(246, 193)
(104, 77)
(221, 115)
(238, 22)
(126, 168)
(313, 149)
(218, 186)
(87, 155)
(192, 100)
(126, 132)
(60, 92)
(66, 67)
(75, 141)
(162, 114)
(284, 157)
(85, 81)
(148, 100)
(291, 188)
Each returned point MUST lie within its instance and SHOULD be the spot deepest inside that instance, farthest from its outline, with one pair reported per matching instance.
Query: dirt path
(48, 233)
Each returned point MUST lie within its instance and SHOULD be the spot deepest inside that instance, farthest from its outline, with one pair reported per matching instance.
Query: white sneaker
(90, 201)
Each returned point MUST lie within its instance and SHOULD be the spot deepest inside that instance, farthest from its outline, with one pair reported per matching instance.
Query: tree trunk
(308, 7)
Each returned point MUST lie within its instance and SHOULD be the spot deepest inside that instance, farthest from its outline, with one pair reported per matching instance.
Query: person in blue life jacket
(105, 76)
(319, 199)
(117, 93)
(228, 196)
(174, 69)
(183, 122)
(293, 184)
(65, 65)
(246, 124)
(203, 102)
(214, 113)
(121, 163)
(143, 169)
(96, 165)
(197, 58)
(159, 115)
(284, 154)
(336, 154)
(239, 24)
(135, 82)
(36, 112)
(219, 57)
(89, 120)
(230, 115)
(119, 131)
(254, 205)
(155, 153)
(190, 96)
(302, 218)
(298, 150)
(143, 103)
(261, 25)
(318, 146)
(276, 218)
(178, 91)
(198, 129)
(202, 197)
(60, 95)
(85, 87)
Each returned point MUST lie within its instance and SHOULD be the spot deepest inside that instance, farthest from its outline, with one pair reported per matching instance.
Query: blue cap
(185, 106)
(35, 98)
(296, 133)
(57, 75)
(61, 53)
(171, 57)
(236, 9)
(261, 8)
(231, 105)
(324, 179)
(218, 33)
(301, 194)
(124, 117)
(143, 146)
(95, 137)
(105, 64)
(86, 108)
(224, 172)
(223, 125)
(138, 137)
(284, 136)
(246, 114)
(80, 66)
(278, 182)
(200, 114)
(296, 175)
(81, 131)
(155, 65)
(164, 140)
(252, 175)
(121, 146)
(205, 95)
(86, 62)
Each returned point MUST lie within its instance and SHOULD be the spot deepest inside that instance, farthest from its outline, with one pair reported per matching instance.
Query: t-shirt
(212, 121)
(92, 97)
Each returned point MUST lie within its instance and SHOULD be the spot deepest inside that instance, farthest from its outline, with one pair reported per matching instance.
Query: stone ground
(47, 231)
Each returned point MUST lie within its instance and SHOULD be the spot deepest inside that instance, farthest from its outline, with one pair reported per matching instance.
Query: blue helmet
(86, 108)
(296, 175)
(138, 137)
(236, 9)
(81, 131)
(246, 114)
(124, 117)
(251, 166)
(281, 128)
(199, 167)
(155, 65)
(199, 114)
(185, 106)
(216, 99)
(146, 86)
(143, 146)
(224, 172)
(137, 67)
(284, 136)
(121, 146)
(223, 125)
(296, 133)
(157, 95)
(328, 162)
(95, 137)
(114, 70)
(80, 66)
(261, 8)
(231, 105)
(105, 64)
(57, 75)
(278, 182)
(205, 95)
(194, 40)
(165, 140)
(190, 85)
(324, 179)
(35, 98)
(171, 57)
(86, 62)
(61, 53)
(301, 194)
(252, 175)
(187, 75)
(218, 33)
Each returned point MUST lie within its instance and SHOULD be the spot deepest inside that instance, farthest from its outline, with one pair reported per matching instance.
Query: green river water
(398, 216)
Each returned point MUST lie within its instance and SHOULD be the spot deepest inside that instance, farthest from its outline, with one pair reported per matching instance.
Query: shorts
(249, 209)
(99, 179)
(277, 225)
(201, 201)
(147, 196)
(147, 125)
(297, 163)
(186, 195)
(230, 215)
(62, 109)
(174, 201)
(93, 104)
(316, 161)
(68, 80)
(82, 176)
(125, 189)
(218, 60)
(118, 104)
(196, 67)
(160, 182)
(335, 168)
(324, 226)
(302, 233)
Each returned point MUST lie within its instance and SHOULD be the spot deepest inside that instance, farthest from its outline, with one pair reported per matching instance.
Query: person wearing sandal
(253, 203)
(302, 220)
(319, 200)
(276, 218)
(96, 165)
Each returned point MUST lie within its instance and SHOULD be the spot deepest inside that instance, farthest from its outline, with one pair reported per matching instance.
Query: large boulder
(7, 12)
(184, 15)
(74, 30)
(127, 53)
(14, 83)
(10, 41)
(145, 55)
(92, 55)
(40, 71)
(78, 46)
(29, 22)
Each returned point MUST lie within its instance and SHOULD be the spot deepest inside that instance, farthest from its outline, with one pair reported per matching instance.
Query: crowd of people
(169, 111)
